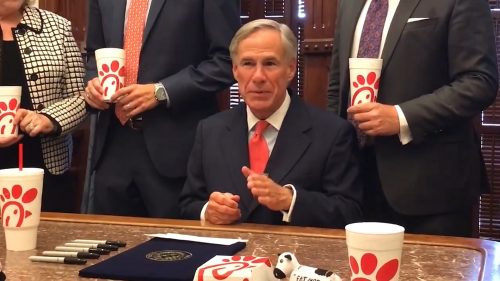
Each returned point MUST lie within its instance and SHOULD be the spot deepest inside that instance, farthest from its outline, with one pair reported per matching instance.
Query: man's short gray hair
(28, 3)
(288, 39)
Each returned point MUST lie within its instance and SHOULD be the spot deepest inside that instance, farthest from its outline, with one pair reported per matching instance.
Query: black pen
(81, 255)
(93, 245)
(109, 242)
(67, 260)
(83, 249)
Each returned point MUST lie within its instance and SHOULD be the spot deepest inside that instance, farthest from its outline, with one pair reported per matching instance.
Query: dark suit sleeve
(95, 38)
(221, 20)
(194, 194)
(338, 203)
(333, 95)
(472, 69)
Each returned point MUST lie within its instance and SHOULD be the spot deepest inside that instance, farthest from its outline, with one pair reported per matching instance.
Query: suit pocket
(421, 24)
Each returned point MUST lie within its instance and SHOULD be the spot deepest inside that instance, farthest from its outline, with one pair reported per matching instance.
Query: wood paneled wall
(317, 45)
(75, 11)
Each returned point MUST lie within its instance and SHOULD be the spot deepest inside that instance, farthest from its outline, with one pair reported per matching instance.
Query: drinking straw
(20, 156)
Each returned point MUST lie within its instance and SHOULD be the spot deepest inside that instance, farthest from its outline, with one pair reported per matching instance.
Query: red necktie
(134, 29)
(257, 148)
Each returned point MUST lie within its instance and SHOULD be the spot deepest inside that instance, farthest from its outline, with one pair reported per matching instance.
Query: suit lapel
(292, 142)
(351, 14)
(235, 155)
(154, 11)
(403, 12)
(115, 11)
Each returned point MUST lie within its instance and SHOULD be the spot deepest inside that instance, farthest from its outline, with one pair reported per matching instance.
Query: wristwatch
(161, 94)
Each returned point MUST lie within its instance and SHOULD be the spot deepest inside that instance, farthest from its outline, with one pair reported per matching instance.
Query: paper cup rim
(24, 172)
(365, 63)
(110, 52)
(11, 87)
(374, 228)
(18, 90)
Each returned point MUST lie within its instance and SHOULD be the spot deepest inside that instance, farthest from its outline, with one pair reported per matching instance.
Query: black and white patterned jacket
(54, 71)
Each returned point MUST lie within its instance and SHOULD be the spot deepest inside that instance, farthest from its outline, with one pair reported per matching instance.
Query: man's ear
(235, 68)
(292, 68)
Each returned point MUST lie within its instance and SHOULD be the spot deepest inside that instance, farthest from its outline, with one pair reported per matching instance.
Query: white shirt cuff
(202, 214)
(404, 130)
(287, 215)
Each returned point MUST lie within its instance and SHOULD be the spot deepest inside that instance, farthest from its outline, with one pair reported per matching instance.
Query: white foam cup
(374, 250)
(364, 80)
(10, 99)
(110, 69)
(20, 205)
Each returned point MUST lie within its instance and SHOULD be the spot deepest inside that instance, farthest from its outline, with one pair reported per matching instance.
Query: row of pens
(78, 251)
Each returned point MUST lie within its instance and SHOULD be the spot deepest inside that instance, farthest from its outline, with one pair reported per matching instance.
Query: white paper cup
(110, 70)
(364, 79)
(10, 99)
(20, 202)
(374, 250)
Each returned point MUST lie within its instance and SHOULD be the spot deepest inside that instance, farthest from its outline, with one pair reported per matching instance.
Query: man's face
(263, 72)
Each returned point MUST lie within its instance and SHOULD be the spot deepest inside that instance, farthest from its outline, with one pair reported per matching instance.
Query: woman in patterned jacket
(39, 53)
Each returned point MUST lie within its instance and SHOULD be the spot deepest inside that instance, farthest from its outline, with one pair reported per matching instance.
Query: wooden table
(425, 257)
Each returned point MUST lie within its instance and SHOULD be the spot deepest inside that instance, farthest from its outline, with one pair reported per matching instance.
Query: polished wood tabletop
(425, 257)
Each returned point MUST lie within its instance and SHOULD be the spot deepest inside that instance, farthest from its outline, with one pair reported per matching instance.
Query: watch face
(160, 93)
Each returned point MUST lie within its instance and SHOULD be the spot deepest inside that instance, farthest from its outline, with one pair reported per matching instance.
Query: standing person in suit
(424, 168)
(172, 75)
(38, 53)
(271, 160)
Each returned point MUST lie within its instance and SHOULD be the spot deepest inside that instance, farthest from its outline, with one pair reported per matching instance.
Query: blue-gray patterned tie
(371, 36)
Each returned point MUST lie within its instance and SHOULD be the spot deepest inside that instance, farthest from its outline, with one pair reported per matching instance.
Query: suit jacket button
(27, 50)
(40, 107)
(21, 31)
(33, 77)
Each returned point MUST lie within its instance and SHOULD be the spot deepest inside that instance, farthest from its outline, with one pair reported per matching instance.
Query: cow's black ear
(288, 257)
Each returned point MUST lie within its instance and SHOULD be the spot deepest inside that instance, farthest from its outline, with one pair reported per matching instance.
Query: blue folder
(159, 259)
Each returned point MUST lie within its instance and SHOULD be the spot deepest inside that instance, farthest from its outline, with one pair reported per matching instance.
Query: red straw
(20, 156)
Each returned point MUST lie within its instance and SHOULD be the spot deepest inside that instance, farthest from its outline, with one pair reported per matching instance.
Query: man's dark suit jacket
(315, 151)
(184, 47)
(441, 71)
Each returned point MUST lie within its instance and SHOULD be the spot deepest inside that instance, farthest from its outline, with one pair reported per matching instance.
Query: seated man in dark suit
(273, 159)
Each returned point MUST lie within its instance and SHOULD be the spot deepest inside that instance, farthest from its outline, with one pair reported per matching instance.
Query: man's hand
(267, 192)
(136, 99)
(33, 123)
(94, 95)
(223, 208)
(375, 119)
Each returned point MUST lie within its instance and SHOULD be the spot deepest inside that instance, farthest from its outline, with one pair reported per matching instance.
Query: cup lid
(25, 171)
(374, 228)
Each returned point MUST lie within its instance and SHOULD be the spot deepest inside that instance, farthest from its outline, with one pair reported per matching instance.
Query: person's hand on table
(222, 208)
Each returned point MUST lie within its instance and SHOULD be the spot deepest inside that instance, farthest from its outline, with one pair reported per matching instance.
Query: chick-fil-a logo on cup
(15, 204)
